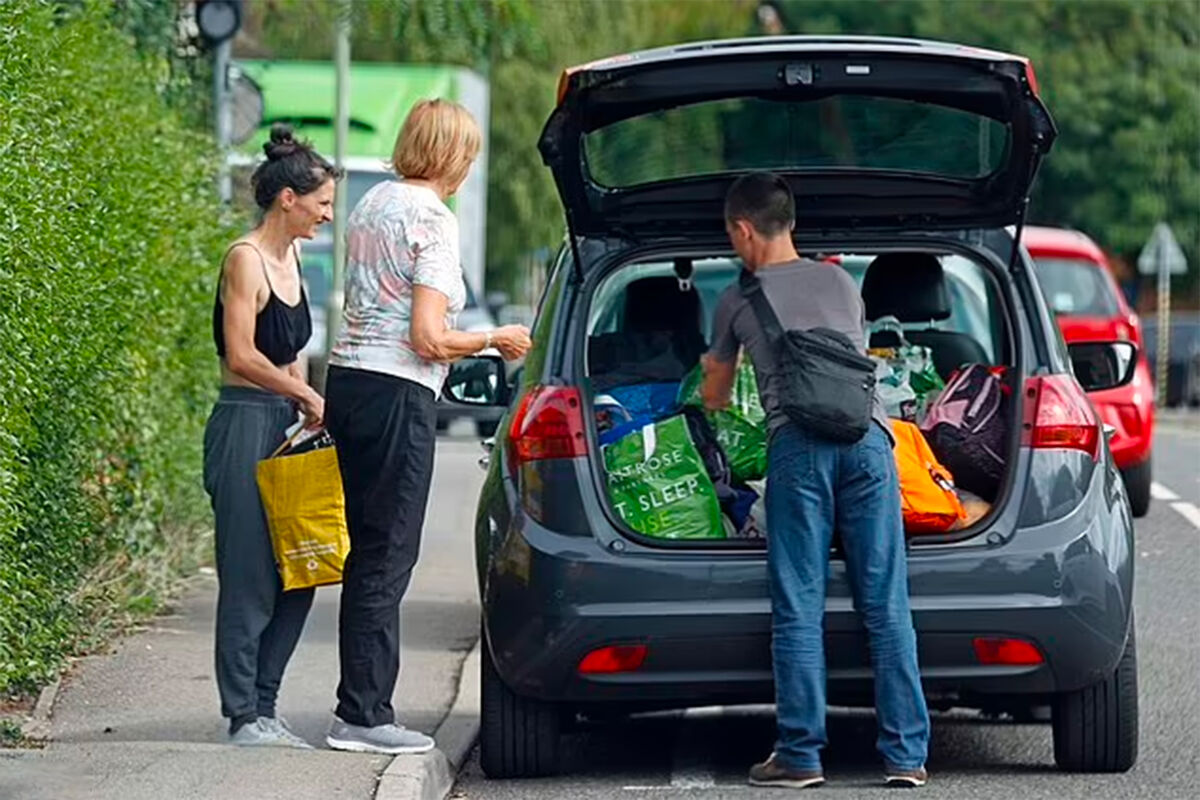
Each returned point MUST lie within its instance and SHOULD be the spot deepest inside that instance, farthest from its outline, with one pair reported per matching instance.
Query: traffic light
(218, 20)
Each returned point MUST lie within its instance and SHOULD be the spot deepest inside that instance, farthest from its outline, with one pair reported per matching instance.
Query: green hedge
(109, 240)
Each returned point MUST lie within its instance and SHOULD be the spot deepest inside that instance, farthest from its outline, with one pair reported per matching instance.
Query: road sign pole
(1162, 256)
(1163, 364)
(341, 57)
(223, 117)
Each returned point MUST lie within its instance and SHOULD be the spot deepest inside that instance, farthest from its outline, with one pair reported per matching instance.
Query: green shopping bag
(741, 429)
(658, 484)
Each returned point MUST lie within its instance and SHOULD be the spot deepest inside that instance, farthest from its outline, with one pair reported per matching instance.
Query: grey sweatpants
(258, 624)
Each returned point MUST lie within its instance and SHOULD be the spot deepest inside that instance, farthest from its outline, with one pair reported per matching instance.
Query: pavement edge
(37, 726)
(431, 776)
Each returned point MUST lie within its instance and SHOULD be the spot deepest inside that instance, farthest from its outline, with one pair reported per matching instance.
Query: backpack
(967, 428)
(927, 495)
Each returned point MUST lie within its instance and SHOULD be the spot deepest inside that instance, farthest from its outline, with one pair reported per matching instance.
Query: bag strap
(291, 440)
(752, 290)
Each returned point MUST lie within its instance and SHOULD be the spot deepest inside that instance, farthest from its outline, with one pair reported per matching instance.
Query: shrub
(109, 239)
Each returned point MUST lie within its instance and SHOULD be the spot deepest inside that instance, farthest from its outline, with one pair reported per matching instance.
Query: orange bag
(927, 495)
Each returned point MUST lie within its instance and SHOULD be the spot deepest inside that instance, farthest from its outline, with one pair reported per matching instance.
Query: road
(704, 753)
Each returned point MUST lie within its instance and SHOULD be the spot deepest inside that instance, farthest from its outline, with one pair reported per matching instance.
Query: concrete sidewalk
(142, 723)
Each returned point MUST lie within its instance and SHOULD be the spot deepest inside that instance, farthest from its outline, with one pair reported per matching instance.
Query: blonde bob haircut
(438, 142)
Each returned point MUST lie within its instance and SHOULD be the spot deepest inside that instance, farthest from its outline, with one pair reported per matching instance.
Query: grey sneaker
(906, 778)
(772, 773)
(258, 734)
(389, 739)
(279, 727)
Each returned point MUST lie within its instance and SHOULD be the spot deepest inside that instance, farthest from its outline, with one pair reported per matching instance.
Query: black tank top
(280, 331)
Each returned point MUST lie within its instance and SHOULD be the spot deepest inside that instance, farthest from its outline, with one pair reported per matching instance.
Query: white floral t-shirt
(397, 237)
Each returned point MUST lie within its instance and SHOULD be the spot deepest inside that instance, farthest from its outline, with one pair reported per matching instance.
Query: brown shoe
(906, 778)
(772, 773)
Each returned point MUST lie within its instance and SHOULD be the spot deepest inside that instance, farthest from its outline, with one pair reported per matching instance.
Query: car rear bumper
(706, 621)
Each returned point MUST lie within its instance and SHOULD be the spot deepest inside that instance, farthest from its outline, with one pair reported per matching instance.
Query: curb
(431, 776)
(37, 726)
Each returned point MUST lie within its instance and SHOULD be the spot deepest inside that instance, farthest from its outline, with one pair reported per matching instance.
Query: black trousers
(258, 624)
(385, 429)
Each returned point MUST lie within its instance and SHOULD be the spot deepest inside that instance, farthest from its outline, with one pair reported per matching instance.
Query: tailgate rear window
(846, 131)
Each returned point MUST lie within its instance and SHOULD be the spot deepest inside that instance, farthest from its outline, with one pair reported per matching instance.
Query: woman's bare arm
(433, 341)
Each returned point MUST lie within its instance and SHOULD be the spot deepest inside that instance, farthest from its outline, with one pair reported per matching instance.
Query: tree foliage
(1121, 78)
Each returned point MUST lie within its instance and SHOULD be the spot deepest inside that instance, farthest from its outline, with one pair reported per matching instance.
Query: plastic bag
(911, 368)
(306, 514)
(741, 428)
(658, 483)
(891, 383)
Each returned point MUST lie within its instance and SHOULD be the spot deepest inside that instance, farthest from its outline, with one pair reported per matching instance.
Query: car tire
(442, 425)
(1137, 485)
(1096, 728)
(486, 427)
(518, 736)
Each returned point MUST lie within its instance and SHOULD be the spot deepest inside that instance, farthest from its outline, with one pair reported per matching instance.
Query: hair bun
(282, 144)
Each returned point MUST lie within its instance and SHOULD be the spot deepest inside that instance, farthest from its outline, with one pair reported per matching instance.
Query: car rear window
(855, 132)
(1074, 287)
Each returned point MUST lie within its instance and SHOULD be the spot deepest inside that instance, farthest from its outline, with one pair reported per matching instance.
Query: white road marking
(1160, 492)
(1189, 512)
(689, 767)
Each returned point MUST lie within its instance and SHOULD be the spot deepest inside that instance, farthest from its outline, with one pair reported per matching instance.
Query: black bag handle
(752, 290)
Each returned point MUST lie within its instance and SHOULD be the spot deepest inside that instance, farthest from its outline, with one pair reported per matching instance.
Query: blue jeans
(813, 486)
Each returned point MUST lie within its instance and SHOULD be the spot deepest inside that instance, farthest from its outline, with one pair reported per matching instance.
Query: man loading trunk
(815, 484)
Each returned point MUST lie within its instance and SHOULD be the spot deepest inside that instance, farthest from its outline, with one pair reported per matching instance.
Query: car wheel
(443, 425)
(1137, 485)
(486, 427)
(1096, 728)
(518, 736)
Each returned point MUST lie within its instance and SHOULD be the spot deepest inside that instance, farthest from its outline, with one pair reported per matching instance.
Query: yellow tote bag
(306, 513)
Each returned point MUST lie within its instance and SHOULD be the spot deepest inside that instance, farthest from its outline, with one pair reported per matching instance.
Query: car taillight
(1059, 416)
(616, 658)
(1031, 77)
(1007, 652)
(548, 424)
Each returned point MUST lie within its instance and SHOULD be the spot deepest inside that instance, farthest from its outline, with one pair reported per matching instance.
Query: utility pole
(341, 57)
(223, 116)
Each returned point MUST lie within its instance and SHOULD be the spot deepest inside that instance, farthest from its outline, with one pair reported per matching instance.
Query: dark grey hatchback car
(891, 146)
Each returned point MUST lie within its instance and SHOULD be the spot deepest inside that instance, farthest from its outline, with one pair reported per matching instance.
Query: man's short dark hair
(764, 200)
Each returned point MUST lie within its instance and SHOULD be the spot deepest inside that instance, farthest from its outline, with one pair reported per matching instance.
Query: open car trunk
(869, 132)
(675, 475)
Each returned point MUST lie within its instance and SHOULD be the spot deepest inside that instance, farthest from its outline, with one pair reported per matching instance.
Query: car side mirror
(477, 381)
(1103, 365)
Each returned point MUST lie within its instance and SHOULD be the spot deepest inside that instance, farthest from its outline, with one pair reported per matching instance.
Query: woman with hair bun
(261, 322)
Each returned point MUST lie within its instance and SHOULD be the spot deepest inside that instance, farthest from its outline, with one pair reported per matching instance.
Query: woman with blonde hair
(404, 290)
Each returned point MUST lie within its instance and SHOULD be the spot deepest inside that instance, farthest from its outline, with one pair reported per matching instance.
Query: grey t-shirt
(805, 294)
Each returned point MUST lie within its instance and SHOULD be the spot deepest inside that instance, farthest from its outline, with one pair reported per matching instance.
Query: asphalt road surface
(704, 753)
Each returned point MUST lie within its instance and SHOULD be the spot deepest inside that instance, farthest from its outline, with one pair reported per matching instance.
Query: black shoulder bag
(826, 385)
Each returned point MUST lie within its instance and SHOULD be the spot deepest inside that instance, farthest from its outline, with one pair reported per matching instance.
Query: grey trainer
(279, 726)
(389, 739)
(261, 733)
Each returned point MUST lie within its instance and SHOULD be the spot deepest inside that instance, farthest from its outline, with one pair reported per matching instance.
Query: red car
(1079, 287)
